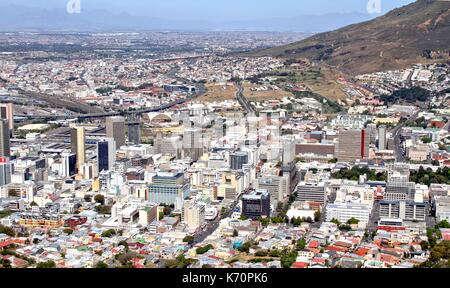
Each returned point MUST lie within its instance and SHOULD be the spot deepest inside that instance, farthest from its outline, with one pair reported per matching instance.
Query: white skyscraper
(382, 140)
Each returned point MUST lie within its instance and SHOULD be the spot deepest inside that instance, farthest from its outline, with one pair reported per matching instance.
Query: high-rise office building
(372, 132)
(256, 204)
(288, 150)
(166, 188)
(106, 154)
(405, 210)
(4, 139)
(238, 159)
(400, 191)
(353, 145)
(277, 186)
(69, 164)
(134, 132)
(168, 144)
(115, 128)
(78, 140)
(7, 113)
(312, 192)
(382, 140)
(192, 143)
(88, 171)
(193, 215)
(5, 172)
(148, 214)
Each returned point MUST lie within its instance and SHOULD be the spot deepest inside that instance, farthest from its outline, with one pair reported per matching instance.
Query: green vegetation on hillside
(378, 44)
(409, 95)
(328, 106)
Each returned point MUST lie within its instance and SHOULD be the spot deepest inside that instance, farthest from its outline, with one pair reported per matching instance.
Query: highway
(200, 91)
(106, 114)
(242, 100)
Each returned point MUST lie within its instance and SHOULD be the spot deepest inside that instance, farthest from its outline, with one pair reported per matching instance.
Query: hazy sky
(210, 10)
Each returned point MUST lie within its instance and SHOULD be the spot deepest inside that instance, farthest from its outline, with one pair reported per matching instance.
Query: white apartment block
(345, 211)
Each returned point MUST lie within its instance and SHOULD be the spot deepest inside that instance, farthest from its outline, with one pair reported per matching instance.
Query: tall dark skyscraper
(106, 152)
(134, 132)
(115, 128)
(238, 159)
(5, 172)
(4, 138)
(7, 113)
(256, 204)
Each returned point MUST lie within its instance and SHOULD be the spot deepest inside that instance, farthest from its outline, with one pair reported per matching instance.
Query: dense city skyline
(125, 148)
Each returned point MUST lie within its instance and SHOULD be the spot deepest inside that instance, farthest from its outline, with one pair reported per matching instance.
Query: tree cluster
(5, 213)
(204, 249)
(355, 172)
(288, 258)
(109, 233)
(428, 177)
(439, 256)
(409, 95)
(7, 230)
(46, 265)
(180, 262)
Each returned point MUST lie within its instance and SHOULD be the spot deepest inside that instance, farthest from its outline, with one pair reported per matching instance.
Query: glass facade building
(166, 188)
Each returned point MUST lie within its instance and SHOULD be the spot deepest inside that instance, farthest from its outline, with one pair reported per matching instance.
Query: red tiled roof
(300, 265)
(336, 248)
(315, 251)
(446, 236)
(214, 257)
(354, 240)
(6, 243)
(388, 258)
(343, 244)
(314, 244)
(362, 251)
(17, 262)
(318, 261)
(136, 245)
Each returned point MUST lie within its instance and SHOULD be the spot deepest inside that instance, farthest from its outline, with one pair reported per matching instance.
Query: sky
(217, 10)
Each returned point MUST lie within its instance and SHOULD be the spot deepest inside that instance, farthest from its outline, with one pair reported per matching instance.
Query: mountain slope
(401, 37)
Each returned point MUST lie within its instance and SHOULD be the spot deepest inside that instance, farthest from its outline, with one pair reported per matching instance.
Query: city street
(399, 150)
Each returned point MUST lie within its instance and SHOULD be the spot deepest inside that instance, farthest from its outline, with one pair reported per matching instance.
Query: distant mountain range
(418, 32)
(21, 18)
